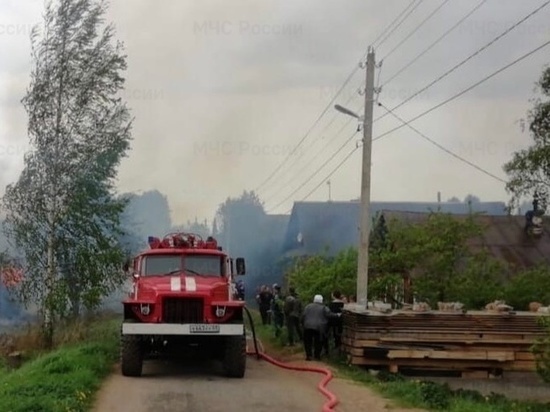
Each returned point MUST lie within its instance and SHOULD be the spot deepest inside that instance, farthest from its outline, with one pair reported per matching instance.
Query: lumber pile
(472, 343)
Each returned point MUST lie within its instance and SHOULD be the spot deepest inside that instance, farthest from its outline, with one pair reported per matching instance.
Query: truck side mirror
(241, 268)
(126, 266)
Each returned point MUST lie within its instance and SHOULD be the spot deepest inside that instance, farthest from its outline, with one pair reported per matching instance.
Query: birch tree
(62, 213)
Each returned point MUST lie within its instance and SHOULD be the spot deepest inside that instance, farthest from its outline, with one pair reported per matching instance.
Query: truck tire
(234, 361)
(131, 355)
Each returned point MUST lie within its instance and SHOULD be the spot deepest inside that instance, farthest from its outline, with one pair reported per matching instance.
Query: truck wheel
(235, 356)
(131, 355)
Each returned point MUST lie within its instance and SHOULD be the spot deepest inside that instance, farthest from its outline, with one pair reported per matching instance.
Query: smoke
(221, 93)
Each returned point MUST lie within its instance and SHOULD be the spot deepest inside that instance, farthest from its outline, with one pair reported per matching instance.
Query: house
(317, 227)
(504, 237)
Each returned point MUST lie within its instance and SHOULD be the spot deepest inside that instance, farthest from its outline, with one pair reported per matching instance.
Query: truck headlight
(220, 311)
(145, 309)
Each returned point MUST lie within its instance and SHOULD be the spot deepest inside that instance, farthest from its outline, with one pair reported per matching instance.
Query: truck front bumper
(182, 329)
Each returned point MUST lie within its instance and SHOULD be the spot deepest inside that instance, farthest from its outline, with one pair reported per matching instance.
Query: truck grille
(178, 310)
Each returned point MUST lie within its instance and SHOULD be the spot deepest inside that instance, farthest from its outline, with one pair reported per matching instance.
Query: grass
(65, 379)
(405, 392)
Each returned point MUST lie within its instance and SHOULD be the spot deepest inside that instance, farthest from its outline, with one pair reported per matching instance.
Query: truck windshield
(205, 265)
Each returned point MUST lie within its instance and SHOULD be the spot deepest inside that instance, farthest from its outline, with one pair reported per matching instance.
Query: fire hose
(332, 400)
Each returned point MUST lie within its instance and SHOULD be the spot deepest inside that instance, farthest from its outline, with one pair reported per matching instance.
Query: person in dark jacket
(264, 299)
(240, 290)
(277, 305)
(315, 320)
(335, 326)
(293, 313)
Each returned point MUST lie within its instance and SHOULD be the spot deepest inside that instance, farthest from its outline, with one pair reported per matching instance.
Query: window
(206, 265)
(161, 264)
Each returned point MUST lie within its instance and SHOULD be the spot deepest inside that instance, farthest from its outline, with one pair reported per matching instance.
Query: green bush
(541, 350)
(532, 285)
(435, 396)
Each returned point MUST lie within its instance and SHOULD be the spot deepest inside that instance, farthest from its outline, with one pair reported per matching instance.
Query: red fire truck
(182, 298)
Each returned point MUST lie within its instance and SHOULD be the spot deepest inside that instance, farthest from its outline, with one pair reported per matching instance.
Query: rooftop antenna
(329, 191)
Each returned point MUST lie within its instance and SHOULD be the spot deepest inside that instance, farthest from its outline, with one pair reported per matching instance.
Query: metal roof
(335, 224)
(503, 237)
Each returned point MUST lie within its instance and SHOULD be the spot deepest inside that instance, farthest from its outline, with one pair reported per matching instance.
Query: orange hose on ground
(332, 399)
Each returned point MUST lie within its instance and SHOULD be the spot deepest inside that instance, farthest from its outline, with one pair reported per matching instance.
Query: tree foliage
(529, 169)
(244, 229)
(62, 213)
(434, 253)
(239, 221)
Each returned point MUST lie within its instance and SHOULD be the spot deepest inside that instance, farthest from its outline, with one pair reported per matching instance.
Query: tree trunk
(47, 324)
(407, 289)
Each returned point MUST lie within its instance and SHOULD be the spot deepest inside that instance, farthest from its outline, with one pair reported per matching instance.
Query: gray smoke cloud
(223, 91)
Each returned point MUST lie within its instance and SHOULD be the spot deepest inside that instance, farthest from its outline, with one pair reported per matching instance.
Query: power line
(344, 160)
(393, 22)
(316, 171)
(329, 105)
(415, 30)
(315, 157)
(473, 86)
(508, 30)
(431, 46)
(400, 23)
(303, 169)
(438, 145)
(407, 123)
(338, 166)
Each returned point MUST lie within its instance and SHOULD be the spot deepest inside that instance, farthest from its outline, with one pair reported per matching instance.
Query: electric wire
(455, 96)
(464, 91)
(400, 23)
(431, 46)
(338, 166)
(316, 172)
(414, 7)
(329, 105)
(291, 166)
(437, 80)
(441, 147)
(288, 182)
(393, 22)
(418, 27)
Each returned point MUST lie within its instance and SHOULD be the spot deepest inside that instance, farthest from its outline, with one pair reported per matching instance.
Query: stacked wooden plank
(466, 342)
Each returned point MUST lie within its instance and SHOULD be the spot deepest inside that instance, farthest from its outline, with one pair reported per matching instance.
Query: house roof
(503, 237)
(275, 227)
(336, 224)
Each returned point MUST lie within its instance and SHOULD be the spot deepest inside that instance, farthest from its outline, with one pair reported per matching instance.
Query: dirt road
(174, 387)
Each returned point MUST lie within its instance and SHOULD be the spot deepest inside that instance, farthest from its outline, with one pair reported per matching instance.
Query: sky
(222, 93)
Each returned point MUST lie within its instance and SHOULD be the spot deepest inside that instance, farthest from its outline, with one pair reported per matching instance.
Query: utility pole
(363, 253)
(329, 193)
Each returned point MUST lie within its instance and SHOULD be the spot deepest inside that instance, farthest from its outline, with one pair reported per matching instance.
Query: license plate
(204, 328)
